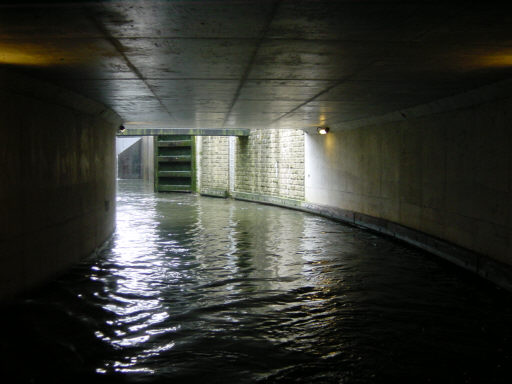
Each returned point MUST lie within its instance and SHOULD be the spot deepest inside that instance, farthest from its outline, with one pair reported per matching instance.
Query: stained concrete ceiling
(257, 64)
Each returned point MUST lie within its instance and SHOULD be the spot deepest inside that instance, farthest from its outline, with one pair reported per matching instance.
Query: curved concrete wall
(57, 188)
(446, 174)
(438, 176)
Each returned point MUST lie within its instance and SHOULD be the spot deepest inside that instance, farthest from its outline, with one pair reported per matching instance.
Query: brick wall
(271, 162)
(268, 162)
(213, 165)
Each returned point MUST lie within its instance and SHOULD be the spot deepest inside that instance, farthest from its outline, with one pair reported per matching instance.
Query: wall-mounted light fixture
(322, 130)
(122, 128)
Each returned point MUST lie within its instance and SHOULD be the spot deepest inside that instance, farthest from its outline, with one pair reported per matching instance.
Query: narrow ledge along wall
(57, 190)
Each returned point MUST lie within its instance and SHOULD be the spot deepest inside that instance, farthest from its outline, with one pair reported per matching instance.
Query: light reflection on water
(194, 288)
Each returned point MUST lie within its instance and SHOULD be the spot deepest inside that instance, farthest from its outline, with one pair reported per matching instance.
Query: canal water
(197, 289)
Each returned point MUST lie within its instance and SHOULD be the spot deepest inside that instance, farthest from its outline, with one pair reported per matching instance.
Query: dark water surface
(196, 289)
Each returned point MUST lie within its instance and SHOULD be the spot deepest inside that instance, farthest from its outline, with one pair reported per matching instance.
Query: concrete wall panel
(447, 175)
(57, 188)
(148, 158)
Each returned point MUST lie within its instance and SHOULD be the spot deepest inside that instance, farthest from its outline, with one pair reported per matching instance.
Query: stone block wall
(271, 162)
(213, 165)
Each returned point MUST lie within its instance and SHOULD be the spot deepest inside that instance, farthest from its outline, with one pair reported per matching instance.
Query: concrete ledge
(492, 270)
(267, 199)
(212, 192)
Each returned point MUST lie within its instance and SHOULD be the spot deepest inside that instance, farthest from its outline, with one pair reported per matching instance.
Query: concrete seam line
(245, 74)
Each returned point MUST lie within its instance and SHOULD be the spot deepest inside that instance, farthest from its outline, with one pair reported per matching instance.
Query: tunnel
(392, 117)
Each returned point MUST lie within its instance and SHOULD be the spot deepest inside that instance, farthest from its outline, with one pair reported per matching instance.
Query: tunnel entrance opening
(129, 164)
(135, 157)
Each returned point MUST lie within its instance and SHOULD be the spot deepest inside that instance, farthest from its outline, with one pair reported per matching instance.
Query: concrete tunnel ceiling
(258, 64)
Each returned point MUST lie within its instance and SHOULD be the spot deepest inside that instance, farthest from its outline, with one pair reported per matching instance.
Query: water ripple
(210, 289)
